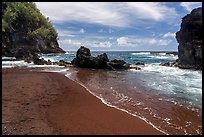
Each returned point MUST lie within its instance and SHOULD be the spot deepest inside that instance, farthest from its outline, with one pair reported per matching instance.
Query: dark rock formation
(28, 49)
(49, 62)
(174, 53)
(118, 64)
(63, 63)
(169, 64)
(101, 61)
(165, 64)
(38, 61)
(139, 63)
(134, 67)
(83, 51)
(22, 48)
(84, 59)
(174, 64)
(190, 41)
(155, 52)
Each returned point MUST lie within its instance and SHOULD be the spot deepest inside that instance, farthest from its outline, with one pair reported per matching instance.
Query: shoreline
(115, 107)
(64, 106)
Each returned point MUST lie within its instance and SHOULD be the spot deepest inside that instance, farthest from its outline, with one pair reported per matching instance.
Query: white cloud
(84, 42)
(89, 12)
(98, 44)
(122, 40)
(169, 34)
(189, 6)
(150, 10)
(65, 33)
(70, 42)
(69, 33)
(115, 14)
(104, 31)
(82, 30)
(142, 41)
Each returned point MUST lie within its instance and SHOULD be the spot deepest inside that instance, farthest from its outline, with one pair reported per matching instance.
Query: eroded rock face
(190, 41)
(20, 46)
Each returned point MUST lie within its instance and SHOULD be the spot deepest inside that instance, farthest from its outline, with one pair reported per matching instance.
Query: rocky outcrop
(62, 63)
(173, 53)
(40, 61)
(190, 41)
(140, 63)
(21, 48)
(84, 59)
(118, 64)
(169, 64)
(83, 51)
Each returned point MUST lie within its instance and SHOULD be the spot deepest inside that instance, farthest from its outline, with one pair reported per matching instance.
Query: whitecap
(70, 53)
(141, 53)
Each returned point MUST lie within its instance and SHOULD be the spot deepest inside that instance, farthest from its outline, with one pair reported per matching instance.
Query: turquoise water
(128, 56)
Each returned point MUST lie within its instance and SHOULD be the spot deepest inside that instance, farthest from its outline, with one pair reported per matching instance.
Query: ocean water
(168, 98)
(128, 56)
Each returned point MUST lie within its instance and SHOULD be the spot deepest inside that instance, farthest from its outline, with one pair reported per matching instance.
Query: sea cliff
(189, 38)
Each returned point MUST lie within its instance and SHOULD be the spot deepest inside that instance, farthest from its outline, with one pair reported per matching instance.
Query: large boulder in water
(37, 60)
(85, 60)
(190, 41)
(83, 51)
(101, 61)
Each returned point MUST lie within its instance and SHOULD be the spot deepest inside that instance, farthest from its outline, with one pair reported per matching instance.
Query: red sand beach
(36, 102)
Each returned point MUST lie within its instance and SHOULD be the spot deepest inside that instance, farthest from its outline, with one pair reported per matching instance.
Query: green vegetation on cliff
(25, 17)
(22, 21)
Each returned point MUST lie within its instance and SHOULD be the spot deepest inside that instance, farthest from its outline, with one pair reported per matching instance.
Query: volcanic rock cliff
(190, 41)
(25, 31)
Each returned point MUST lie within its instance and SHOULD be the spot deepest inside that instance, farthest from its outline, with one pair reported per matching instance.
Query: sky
(116, 26)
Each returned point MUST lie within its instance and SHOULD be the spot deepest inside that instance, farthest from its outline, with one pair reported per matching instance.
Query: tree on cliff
(25, 20)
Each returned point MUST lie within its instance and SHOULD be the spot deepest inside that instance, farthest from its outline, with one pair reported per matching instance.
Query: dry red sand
(36, 102)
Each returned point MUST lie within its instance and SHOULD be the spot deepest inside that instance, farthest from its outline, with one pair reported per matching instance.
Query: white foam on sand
(59, 70)
(10, 64)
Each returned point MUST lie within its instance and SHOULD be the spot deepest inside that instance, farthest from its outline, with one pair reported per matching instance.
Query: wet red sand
(36, 102)
(170, 117)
